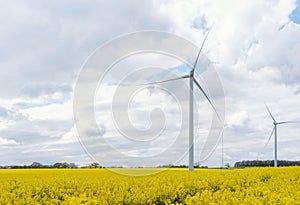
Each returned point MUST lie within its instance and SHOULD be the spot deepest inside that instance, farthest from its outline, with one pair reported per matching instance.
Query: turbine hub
(192, 74)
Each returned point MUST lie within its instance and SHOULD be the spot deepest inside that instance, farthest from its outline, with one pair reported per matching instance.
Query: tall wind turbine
(191, 103)
(275, 133)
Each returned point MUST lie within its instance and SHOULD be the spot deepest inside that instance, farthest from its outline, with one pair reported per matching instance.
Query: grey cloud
(3, 113)
(48, 43)
(11, 114)
(33, 89)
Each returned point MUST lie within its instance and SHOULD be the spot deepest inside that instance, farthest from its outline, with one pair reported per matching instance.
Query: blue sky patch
(295, 15)
(183, 68)
(35, 105)
(200, 23)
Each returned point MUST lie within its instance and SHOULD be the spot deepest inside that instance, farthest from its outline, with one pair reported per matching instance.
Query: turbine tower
(192, 80)
(275, 133)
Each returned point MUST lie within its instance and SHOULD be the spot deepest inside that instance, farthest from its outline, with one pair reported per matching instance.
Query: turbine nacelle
(191, 74)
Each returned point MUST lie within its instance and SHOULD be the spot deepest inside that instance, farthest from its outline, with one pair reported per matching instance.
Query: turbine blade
(269, 137)
(200, 50)
(158, 82)
(284, 122)
(206, 96)
(270, 112)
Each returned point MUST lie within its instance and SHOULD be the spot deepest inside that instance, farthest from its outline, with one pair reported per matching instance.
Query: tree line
(265, 163)
(55, 165)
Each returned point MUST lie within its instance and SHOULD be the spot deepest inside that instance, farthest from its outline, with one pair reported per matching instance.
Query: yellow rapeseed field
(173, 186)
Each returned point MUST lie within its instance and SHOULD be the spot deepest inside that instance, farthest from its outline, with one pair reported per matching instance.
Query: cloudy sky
(254, 47)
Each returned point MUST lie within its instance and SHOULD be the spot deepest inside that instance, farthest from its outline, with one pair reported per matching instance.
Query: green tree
(95, 165)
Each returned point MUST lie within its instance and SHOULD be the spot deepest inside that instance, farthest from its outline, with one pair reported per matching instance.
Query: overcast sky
(253, 45)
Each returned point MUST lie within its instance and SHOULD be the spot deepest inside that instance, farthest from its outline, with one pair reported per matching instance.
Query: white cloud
(49, 110)
(4, 141)
(237, 119)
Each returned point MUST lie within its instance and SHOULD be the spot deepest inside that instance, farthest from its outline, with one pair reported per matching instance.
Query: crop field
(173, 186)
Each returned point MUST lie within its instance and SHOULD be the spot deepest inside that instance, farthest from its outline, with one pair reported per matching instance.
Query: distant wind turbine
(275, 135)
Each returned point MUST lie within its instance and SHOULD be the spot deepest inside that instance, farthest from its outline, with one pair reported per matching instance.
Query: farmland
(173, 186)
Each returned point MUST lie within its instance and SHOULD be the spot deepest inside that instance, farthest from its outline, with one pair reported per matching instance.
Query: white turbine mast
(275, 133)
(222, 141)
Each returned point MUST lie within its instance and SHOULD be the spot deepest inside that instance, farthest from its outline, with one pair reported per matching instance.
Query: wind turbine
(192, 80)
(275, 133)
